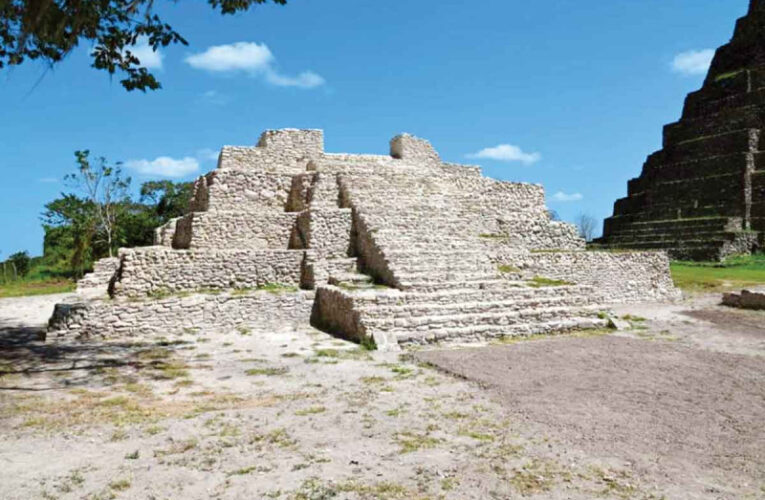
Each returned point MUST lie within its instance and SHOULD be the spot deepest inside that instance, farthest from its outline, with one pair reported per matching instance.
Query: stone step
(626, 235)
(735, 85)
(504, 290)
(487, 332)
(727, 120)
(460, 319)
(697, 168)
(397, 315)
(441, 277)
(671, 223)
(698, 105)
(673, 243)
(487, 282)
(729, 142)
(351, 279)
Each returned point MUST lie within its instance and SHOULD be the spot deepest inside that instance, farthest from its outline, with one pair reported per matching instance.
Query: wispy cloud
(164, 166)
(207, 154)
(253, 59)
(507, 152)
(214, 97)
(566, 197)
(693, 62)
(149, 57)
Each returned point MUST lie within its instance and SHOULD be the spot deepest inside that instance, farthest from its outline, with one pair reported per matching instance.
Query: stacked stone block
(403, 249)
(702, 196)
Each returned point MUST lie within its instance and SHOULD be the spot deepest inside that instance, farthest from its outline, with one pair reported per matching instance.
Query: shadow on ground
(70, 363)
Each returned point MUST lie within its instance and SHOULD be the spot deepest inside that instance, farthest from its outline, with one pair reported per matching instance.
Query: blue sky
(568, 94)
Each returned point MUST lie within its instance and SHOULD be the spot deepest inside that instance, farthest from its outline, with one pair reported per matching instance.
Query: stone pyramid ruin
(702, 197)
(400, 249)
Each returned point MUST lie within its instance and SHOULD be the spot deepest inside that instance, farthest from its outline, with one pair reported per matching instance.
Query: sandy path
(289, 412)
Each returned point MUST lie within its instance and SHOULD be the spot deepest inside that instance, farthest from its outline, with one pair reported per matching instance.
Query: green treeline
(96, 216)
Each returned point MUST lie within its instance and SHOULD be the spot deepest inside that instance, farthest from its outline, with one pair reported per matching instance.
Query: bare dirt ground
(673, 408)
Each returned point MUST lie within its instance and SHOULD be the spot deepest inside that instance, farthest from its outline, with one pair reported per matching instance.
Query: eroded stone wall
(158, 270)
(248, 190)
(242, 230)
(202, 314)
(615, 277)
(324, 230)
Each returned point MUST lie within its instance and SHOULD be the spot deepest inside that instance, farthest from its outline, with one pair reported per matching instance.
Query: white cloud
(305, 80)
(507, 152)
(693, 62)
(246, 56)
(164, 166)
(564, 197)
(251, 58)
(149, 57)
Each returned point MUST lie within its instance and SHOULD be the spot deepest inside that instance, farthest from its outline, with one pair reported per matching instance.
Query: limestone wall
(616, 277)
(283, 151)
(240, 230)
(248, 191)
(204, 314)
(326, 231)
(157, 270)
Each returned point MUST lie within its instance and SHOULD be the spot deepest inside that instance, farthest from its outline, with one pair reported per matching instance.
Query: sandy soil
(679, 398)
(293, 413)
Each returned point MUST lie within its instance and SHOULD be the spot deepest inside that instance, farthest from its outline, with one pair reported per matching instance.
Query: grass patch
(270, 371)
(411, 441)
(734, 273)
(726, 76)
(277, 288)
(541, 281)
(505, 268)
(592, 332)
(120, 484)
(360, 353)
(28, 287)
(314, 410)
(630, 317)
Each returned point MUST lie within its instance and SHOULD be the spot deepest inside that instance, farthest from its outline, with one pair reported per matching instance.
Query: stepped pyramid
(702, 197)
(400, 249)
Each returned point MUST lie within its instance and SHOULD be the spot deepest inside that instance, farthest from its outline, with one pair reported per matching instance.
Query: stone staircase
(454, 312)
(711, 238)
(421, 236)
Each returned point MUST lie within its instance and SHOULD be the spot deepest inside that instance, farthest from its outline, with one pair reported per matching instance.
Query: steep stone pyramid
(702, 197)
(397, 249)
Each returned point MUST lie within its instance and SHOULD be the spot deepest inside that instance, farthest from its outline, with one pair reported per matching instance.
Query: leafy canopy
(99, 216)
(50, 29)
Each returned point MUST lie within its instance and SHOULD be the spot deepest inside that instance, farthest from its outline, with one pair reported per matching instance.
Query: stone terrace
(400, 249)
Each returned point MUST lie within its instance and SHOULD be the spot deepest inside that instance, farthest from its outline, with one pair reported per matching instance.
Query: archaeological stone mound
(387, 249)
(702, 197)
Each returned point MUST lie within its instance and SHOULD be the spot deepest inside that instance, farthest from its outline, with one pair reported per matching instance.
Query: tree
(587, 225)
(20, 261)
(170, 199)
(69, 224)
(106, 191)
(50, 29)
